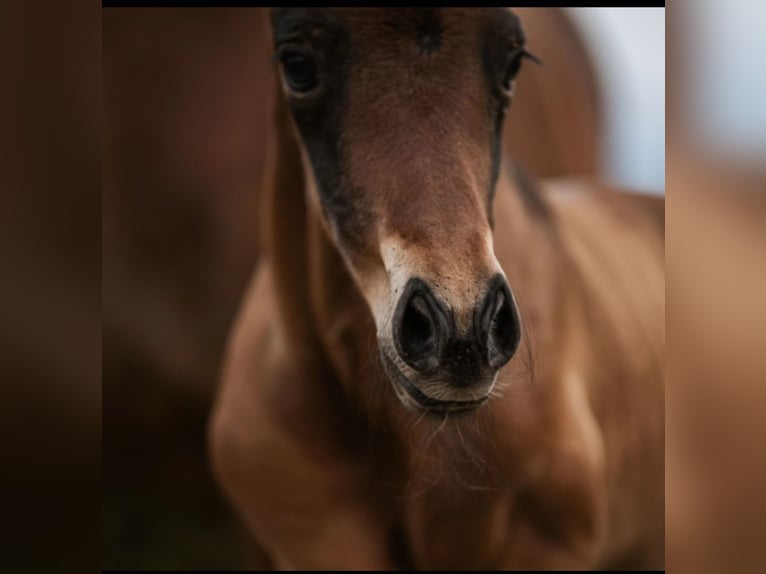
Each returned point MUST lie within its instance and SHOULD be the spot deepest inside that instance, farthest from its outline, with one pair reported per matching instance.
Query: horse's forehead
(403, 20)
(427, 29)
(389, 15)
(387, 24)
(408, 56)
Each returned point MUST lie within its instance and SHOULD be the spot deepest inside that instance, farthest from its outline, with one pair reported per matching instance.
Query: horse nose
(498, 328)
(421, 328)
(426, 340)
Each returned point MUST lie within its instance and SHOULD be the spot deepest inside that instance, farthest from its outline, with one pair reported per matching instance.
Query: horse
(168, 303)
(438, 363)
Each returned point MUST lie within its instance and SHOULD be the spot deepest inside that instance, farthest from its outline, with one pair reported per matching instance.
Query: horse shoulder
(615, 242)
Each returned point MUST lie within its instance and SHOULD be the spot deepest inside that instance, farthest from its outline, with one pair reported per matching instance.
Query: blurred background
(50, 295)
(627, 48)
(716, 310)
(187, 100)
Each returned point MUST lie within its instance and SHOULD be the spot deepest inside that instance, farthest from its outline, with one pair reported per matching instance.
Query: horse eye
(300, 71)
(512, 69)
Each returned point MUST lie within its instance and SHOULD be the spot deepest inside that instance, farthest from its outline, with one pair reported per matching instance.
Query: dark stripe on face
(496, 149)
(531, 194)
(319, 114)
(503, 30)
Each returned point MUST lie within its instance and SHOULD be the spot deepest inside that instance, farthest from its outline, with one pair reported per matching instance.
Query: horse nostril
(419, 328)
(500, 325)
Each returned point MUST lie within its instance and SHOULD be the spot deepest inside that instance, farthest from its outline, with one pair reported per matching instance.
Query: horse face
(399, 113)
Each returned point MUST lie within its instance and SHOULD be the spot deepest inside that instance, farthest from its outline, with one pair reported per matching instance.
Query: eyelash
(513, 66)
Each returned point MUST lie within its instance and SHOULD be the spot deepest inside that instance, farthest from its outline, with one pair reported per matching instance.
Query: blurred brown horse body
(337, 459)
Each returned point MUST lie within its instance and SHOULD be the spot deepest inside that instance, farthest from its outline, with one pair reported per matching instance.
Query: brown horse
(180, 213)
(438, 364)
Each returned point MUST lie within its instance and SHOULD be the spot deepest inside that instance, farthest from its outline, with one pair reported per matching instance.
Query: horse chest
(453, 531)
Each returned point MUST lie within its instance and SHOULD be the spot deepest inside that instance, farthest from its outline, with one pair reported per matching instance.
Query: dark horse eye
(512, 69)
(300, 71)
(513, 66)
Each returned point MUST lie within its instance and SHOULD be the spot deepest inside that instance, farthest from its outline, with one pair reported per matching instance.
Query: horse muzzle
(437, 367)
